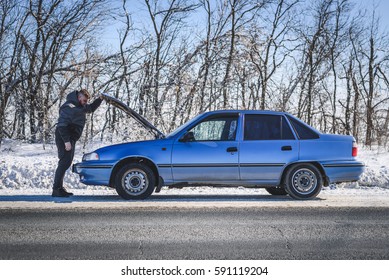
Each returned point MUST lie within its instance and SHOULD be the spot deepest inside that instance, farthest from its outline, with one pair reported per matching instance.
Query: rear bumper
(93, 174)
(343, 171)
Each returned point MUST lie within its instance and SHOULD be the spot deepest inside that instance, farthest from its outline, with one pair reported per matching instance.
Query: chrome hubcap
(135, 181)
(304, 181)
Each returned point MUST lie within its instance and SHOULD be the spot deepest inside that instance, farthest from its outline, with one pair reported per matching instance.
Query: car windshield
(178, 129)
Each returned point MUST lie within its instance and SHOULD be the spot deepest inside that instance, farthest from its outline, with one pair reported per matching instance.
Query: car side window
(266, 127)
(216, 129)
(302, 130)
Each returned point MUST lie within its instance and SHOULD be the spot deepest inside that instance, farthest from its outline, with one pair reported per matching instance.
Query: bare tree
(166, 22)
(370, 56)
(351, 104)
(315, 57)
(10, 25)
(270, 52)
(241, 13)
(338, 43)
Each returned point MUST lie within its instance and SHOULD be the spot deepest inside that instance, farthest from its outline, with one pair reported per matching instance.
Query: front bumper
(93, 173)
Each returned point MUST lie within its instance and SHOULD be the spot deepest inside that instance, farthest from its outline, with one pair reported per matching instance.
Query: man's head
(83, 97)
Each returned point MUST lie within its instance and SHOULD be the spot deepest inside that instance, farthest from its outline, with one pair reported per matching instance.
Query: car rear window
(266, 127)
(303, 131)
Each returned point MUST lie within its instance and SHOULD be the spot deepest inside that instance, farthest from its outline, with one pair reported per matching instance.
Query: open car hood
(145, 123)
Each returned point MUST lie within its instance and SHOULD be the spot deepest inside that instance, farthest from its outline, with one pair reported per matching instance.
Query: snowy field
(29, 169)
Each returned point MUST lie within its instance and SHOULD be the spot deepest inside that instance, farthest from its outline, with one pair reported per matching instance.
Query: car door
(267, 145)
(208, 151)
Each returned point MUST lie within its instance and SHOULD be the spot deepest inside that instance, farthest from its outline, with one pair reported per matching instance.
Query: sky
(382, 9)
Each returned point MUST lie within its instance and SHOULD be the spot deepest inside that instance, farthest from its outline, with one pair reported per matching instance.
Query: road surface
(193, 227)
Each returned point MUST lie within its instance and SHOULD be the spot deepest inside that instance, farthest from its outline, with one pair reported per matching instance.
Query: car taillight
(355, 149)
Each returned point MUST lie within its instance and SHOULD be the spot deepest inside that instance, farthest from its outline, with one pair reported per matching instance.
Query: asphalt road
(195, 233)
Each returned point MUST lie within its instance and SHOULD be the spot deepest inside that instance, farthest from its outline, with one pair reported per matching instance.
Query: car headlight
(90, 156)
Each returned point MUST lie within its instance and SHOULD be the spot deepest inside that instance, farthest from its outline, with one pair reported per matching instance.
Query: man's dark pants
(65, 159)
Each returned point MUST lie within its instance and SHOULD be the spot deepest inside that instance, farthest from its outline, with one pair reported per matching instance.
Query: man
(71, 122)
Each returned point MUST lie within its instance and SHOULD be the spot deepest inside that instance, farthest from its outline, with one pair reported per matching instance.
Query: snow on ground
(29, 169)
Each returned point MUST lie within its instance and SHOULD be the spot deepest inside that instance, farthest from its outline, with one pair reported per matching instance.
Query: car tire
(277, 191)
(135, 181)
(303, 181)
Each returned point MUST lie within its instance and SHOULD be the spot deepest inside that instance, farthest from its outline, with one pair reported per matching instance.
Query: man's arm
(63, 123)
(90, 108)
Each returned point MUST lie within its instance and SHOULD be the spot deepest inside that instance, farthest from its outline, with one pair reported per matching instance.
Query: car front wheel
(303, 181)
(135, 181)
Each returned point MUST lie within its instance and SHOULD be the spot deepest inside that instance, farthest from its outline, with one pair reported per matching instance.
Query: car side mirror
(188, 137)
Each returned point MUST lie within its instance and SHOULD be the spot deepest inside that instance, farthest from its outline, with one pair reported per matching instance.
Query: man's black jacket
(72, 117)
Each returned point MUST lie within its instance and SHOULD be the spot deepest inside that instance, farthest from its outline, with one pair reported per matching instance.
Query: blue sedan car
(272, 150)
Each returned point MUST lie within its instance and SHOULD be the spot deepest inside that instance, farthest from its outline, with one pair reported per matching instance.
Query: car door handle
(286, 148)
(232, 149)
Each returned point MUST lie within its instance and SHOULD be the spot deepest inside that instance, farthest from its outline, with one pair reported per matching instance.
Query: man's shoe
(69, 193)
(61, 192)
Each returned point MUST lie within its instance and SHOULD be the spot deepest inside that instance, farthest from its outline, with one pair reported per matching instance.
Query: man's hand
(68, 146)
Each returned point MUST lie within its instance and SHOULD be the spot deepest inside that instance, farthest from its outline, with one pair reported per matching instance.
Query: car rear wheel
(135, 181)
(303, 181)
(277, 191)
